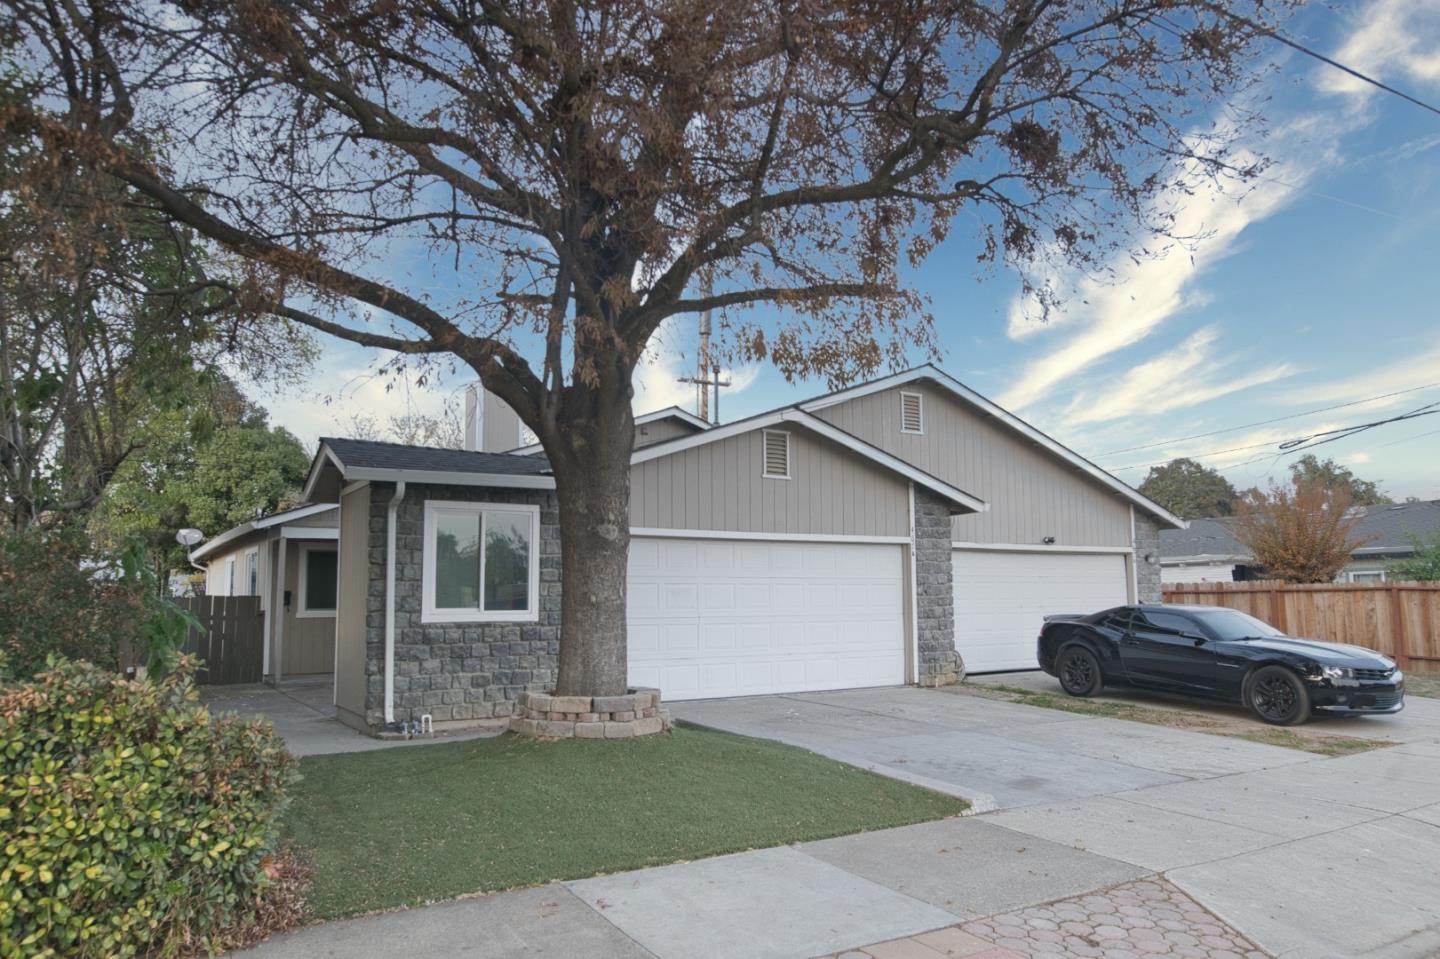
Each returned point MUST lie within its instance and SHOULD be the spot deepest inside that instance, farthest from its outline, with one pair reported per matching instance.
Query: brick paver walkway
(1132, 921)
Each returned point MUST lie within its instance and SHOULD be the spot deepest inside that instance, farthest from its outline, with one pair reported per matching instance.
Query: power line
(1409, 439)
(1342, 67)
(1278, 419)
(1299, 443)
(1296, 45)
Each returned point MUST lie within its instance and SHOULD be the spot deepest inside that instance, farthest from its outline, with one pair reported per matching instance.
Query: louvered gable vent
(911, 414)
(777, 453)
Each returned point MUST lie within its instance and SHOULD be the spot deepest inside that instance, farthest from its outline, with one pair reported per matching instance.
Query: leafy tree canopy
(1333, 476)
(1423, 566)
(1299, 532)
(212, 465)
(1190, 490)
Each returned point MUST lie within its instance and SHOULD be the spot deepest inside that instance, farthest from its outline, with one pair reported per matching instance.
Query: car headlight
(1337, 672)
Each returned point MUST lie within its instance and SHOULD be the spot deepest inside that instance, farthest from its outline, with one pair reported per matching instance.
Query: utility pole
(707, 373)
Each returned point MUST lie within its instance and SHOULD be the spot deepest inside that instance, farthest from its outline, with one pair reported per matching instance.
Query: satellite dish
(188, 536)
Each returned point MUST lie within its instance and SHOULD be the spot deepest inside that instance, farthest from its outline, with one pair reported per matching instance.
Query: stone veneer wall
(1147, 575)
(456, 672)
(940, 664)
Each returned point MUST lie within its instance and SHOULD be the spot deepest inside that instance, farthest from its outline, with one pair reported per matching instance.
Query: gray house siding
(648, 434)
(719, 486)
(355, 601)
(1032, 495)
(455, 671)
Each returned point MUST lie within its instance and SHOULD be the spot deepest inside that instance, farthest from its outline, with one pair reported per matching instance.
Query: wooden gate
(230, 646)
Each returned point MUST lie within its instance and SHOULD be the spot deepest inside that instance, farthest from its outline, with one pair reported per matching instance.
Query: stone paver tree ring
(547, 716)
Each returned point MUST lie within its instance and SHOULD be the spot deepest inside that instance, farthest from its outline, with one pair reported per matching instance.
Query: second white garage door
(714, 618)
(1002, 598)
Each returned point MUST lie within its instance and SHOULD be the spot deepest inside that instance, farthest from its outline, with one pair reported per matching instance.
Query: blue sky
(1318, 286)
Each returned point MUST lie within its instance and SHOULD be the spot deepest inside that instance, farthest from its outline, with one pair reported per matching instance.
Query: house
(288, 559)
(1209, 551)
(900, 531)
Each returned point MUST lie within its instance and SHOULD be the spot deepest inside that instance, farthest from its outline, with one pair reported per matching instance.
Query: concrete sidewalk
(1298, 855)
(303, 713)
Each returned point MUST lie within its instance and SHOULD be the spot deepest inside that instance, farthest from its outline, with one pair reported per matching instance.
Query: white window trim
(1366, 576)
(920, 406)
(229, 576)
(252, 555)
(429, 613)
(303, 611)
(764, 459)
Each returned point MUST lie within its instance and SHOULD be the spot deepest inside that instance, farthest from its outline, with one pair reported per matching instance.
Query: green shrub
(135, 823)
(55, 600)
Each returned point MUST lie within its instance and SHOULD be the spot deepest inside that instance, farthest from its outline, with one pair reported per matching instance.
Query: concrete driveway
(1309, 857)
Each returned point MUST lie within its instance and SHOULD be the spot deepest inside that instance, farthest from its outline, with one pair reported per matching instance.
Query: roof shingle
(372, 454)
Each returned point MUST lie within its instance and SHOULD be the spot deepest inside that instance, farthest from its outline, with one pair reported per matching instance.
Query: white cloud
(657, 377)
(1142, 296)
(1185, 376)
(1418, 369)
(1396, 39)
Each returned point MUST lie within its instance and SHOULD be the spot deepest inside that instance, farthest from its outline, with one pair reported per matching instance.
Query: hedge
(135, 823)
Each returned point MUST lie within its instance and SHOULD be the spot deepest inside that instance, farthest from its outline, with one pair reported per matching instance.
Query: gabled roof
(359, 460)
(668, 413)
(274, 519)
(816, 425)
(1005, 418)
(1387, 529)
(950, 385)
(1211, 540)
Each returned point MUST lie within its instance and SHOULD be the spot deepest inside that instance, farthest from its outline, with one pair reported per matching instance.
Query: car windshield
(1231, 624)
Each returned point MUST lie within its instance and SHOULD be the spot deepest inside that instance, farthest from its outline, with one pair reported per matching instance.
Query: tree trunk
(592, 480)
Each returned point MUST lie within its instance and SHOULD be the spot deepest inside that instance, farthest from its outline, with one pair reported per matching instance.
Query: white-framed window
(317, 580)
(229, 576)
(252, 573)
(1367, 576)
(912, 413)
(775, 454)
(481, 563)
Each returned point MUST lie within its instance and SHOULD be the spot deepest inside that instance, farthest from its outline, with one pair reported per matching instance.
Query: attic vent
(777, 454)
(912, 418)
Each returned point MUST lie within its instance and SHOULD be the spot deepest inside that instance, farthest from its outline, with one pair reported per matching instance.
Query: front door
(1163, 649)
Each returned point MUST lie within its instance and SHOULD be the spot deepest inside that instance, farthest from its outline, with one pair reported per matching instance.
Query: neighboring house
(289, 560)
(1209, 551)
(874, 536)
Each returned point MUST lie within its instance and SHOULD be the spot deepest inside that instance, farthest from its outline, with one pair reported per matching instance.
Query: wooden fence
(1401, 620)
(229, 648)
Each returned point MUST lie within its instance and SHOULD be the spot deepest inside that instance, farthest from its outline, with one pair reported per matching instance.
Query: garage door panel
(765, 617)
(1002, 598)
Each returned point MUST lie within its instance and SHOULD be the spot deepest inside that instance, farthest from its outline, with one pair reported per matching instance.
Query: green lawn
(408, 825)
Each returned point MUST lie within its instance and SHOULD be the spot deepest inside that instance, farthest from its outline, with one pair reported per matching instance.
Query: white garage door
(1001, 599)
(737, 617)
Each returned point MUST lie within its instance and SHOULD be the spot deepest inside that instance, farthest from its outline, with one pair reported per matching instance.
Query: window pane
(507, 561)
(457, 560)
(252, 574)
(1170, 621)
(320, 579)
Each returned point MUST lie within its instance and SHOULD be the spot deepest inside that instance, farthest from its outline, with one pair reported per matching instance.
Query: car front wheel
(1278, 697)
(1079, 671)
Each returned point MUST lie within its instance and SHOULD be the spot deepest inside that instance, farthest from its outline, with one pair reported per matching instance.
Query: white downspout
(914, 592)
(390, 517)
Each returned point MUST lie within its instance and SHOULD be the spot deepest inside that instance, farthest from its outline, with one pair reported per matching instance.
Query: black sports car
(1217, 653)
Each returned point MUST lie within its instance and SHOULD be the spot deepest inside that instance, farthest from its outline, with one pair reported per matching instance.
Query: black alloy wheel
(1278, 697)
(1079, 671)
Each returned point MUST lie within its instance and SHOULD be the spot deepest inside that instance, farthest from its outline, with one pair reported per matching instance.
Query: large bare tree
(530, 188)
